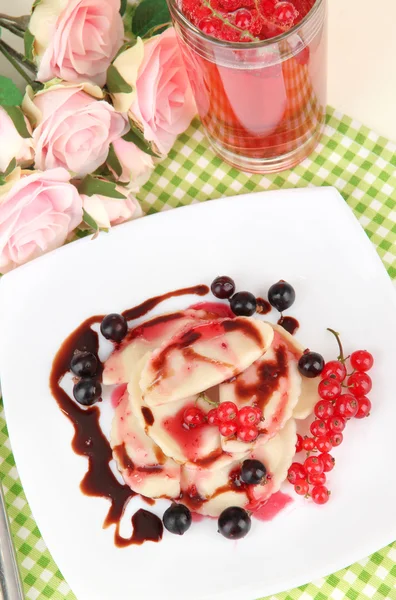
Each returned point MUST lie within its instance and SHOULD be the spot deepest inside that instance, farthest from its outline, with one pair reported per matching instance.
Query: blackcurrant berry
(234, 523)
(253, 472)
(177, 519)
(87, 391)
(223, 287)
(114, 327)
(243, 304)
(84, 364)
(311, 364)
(281, 295)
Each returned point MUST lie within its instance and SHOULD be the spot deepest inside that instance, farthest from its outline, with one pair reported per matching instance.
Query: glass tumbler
(262, 104)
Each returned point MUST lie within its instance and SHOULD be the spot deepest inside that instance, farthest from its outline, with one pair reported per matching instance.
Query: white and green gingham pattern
(362, 166)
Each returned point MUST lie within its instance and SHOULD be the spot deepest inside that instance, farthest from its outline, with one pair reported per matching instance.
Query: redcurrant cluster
(343, 397)
(228, 418)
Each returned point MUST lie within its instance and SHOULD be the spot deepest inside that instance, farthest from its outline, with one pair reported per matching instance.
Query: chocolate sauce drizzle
(290, 324)
(89, 441)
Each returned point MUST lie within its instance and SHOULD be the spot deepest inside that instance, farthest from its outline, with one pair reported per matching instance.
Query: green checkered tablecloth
(362, 166)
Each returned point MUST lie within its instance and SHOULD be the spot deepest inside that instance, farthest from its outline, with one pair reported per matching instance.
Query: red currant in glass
(320, 494)
(213, 417)
(346, 406)
(324, 409)
(248, 433)
(336, 424)
(329, 389)
(301, 487)
(317, 479)
(328, 461)
(308, 444)
(227, 411)
(194, 417)
(334, 369)
(361, 360)
(296, 471)
(318, 428)
(363, 408)
(359, 383)
(336, 438)
(228, 429)
(299, 445)
(313, 465)
(249, 415)
(323, 444)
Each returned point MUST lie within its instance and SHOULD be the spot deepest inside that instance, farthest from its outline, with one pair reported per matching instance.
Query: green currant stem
(4, 51)
(204, 397)
(337, 337)
(219, 16)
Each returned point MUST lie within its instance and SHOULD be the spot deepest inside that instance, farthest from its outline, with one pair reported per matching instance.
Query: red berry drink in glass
(258, 73)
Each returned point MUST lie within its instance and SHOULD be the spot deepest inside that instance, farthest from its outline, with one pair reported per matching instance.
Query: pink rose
(12, 144)
(36, 215)
(76, 40)
(72, 129)
(137, 166)
(162, 105)
(108, 211)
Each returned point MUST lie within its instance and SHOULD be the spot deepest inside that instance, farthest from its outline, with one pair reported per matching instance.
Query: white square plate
(307, 237)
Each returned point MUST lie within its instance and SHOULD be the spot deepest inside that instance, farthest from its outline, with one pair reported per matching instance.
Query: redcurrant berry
(249, 415)
(323, 444)
(296, 471)
(194, 417)
(328, 461)
(336, 439)
(361, 360)
(248, 433)
(285, 13)
(301, 487)
(336, 424)
(346, 406)
(334, 369)
(227, 411)
(318, 428)
(243, 18)
(359, 383)
(213, 417)
(299, 445)
(329, 389)
(228, 429)
(363, 408)
(308, 444)
(320, 494)
(313, 465)
(324, 409)
(317, 479)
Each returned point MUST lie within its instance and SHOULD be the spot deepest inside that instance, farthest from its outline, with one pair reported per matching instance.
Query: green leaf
(91, 186)
(113, 162)
(17, 116)
(90, 221)
(10, 167)
(82, 233)
(150, 14)
(115, 83)
(36, 3)
(29, 44)
(128, 17)
(122, 7)
(135, 135)
(10, 95)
